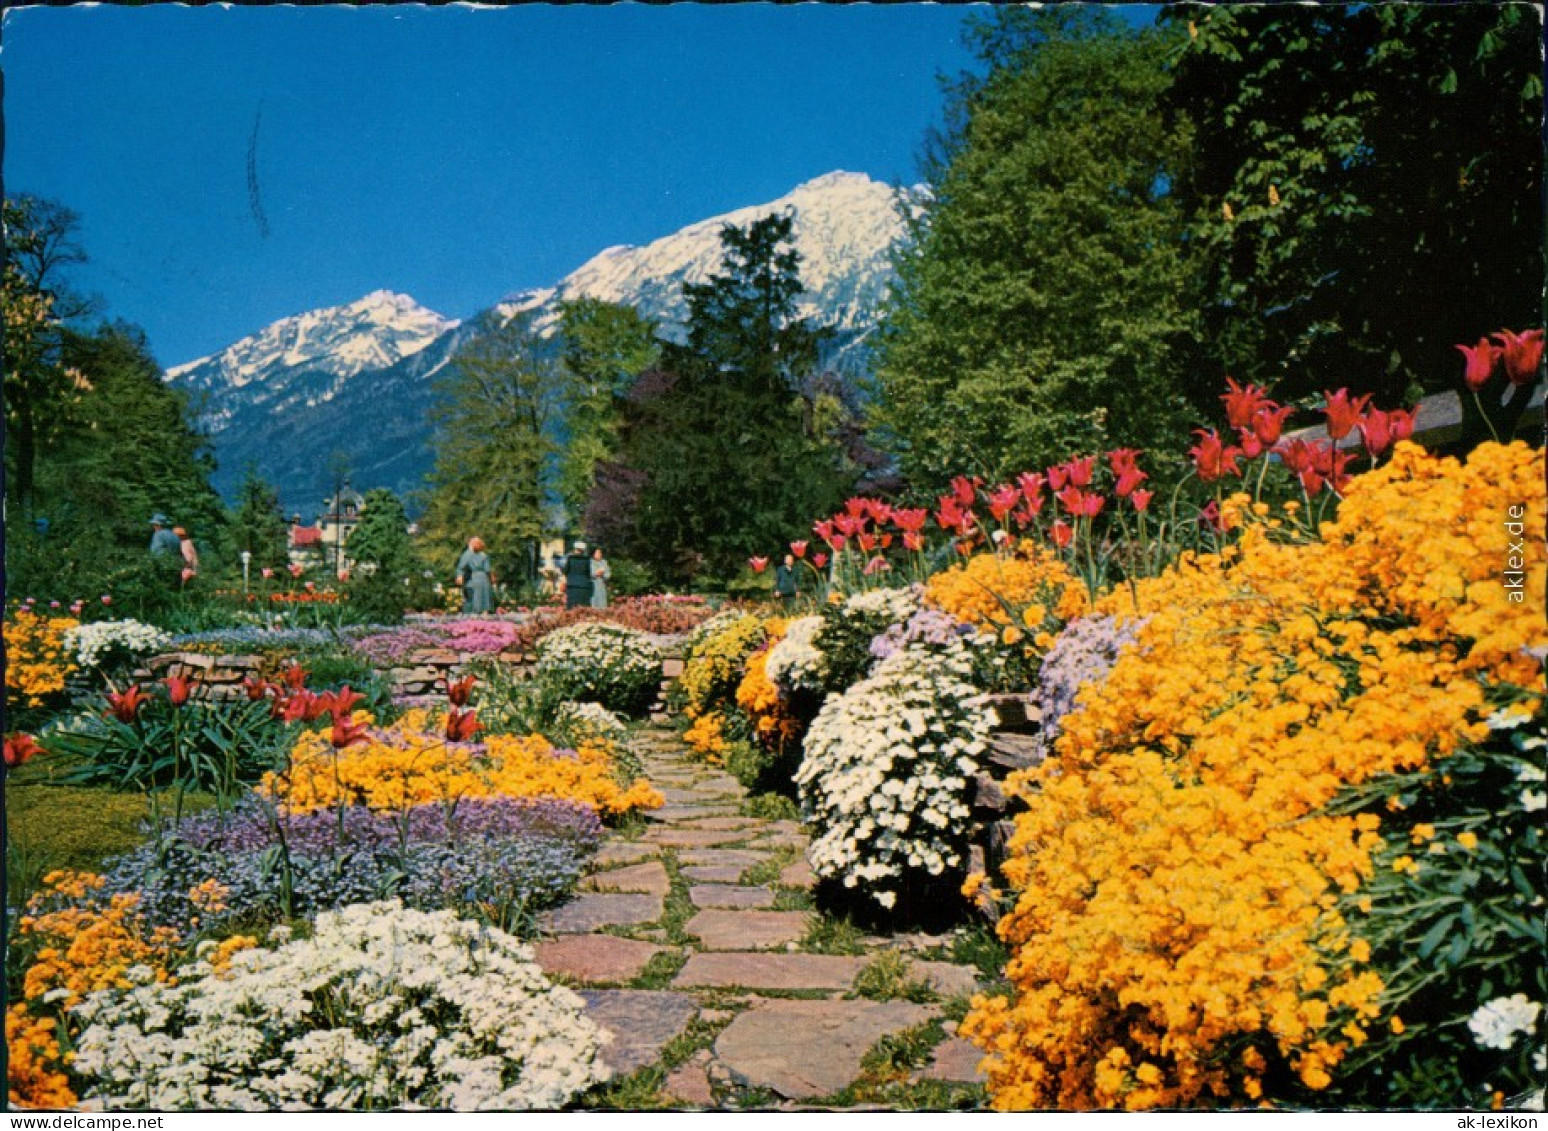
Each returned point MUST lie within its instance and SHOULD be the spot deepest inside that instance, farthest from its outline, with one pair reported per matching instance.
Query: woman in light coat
(475, 577)
(600, 572)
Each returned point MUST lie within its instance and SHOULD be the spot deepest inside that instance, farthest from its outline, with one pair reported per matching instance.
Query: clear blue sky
(454, 154)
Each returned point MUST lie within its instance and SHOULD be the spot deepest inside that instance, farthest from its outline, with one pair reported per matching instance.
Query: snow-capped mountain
(359, 378)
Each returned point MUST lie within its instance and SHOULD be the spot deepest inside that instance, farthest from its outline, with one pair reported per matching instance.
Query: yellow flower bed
(37, 661)
(712, 673)
(34, 1063)
(1014, 590)
(1173, 934)
(408, 764)
(706, 737)
(759, 698)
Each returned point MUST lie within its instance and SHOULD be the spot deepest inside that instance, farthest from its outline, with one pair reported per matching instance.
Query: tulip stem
(1477, 400)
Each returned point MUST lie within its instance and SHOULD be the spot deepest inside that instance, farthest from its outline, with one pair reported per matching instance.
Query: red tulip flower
(1063, 533)
(295, 676)
(125, 705)
(1130, 479)
(1072, 499)
(857, 507)
(256, 688)
(1210, 516)
(1003, 501)
(178, 689)
(1032, 484)
(1375, 432)
(1480, 363)
(1268, 422)
(798, 549)
(458, 693)
(867, 542)
(913, 540)
(461, 726)
(301, 705)
(880, 511)
(20, 748)
(1401, 422)
(1080, 470)
(965, 490)
(1211, 457)
(1343, 414)
(1141, 499)
(343, 701)
(266, 573)
(819, 560)
(1523, 355)
(1058, 476)
(1123, 460)
(1241, 403)
(758, 564)
(346, 732)
(849, 524)
(1252, 447)
(910, 519)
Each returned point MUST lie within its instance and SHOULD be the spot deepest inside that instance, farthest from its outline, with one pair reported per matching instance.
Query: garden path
(695, 945)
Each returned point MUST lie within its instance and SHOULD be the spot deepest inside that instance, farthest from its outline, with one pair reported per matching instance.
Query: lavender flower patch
(929, 627)
(1083, 653)
(501, 853)
(235, 641)
(384, 649)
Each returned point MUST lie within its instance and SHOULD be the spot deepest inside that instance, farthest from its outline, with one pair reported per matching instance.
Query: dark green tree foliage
(1365, 187)
(124, 451)
(387, 576)
(606, 346)
(721, 457)
(1042, 306)
(257, 525)
(494, 448)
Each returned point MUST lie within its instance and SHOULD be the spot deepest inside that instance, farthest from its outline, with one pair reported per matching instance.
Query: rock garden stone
(730, 896)
(640, 1021)
(589, 912)
(747, 930)
(595, 958)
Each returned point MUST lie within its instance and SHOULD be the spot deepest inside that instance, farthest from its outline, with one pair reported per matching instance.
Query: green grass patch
(889, 977)
(978, 946)
(659, 971)
(638, 1091)
(678, 907)
(889, 1068)
(793, 899)
(770, 807)
(767, 872)
(827, 935)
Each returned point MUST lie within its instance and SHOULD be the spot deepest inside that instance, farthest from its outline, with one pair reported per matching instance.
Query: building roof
(306, 536)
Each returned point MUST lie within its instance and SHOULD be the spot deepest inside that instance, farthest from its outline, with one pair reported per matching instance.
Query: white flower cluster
(795, 663)
(1496, 1023)
(892, 605)
(113, 639)
(382, 1007)
(592, 719)
(606, 663)
(886, 773)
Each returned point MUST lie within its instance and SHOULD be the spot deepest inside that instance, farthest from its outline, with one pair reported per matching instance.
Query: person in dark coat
(577, 578)
(785, 581)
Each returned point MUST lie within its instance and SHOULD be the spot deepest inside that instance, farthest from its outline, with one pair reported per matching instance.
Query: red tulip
(1211, 457)
(758, 564)
(912, 519)
(178, 689)
(295, 676)
(1523, 354)
(256, 688)
(819, 560)
(849, 524)
(266, 573)
(1480, 363)
(1343, 414)
(798, 549)
(1252, 447)
(1401, 421)
(1123, 460)
(867, 542)
(461, 726)
(1330, 463)
(1130, 479)
(342, 702)
(1141, 499)
(1080, 470)
(458, 693)
(1063, 533)
(856, 507)
(1241, 403)
(1210, 517)
(346, 732)
(880, 511)
(913, 540)
(965, 490)
(20, 748)
(1375, 432)
(1268, 422)
(298, 706)
(952, 516)
(1003, 500)
(1072, 499)
(106, 599)
(126, 705)
(1032, 484)
(1058, 476)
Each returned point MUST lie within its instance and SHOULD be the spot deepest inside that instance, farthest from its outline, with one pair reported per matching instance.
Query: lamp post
(247, 561)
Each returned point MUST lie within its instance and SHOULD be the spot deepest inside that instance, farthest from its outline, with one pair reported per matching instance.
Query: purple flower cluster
(387, 648)
(1084, 653)
(927, 626)
(482, 637)
(509, 853)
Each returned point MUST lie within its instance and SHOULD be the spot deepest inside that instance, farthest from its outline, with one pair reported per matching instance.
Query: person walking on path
(600, 572)
(785, 581)
(475, 577)
(577, 578)
(163, 541)
(186, 547)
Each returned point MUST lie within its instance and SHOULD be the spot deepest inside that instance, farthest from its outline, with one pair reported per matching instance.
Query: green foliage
(720, 456)
(889, 977)
(826, 934)
(1043, 302)
(257, 525)
(770, 807)
(606, 346)
(199, 747)
(769, 773)
(388, 576)
(1363, 188)
(493, 447)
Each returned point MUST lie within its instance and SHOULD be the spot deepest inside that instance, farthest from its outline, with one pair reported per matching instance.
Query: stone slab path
(695, 946)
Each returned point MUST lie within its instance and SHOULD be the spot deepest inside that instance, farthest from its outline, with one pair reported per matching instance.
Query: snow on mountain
(844, 227)
(305, 359)
(358, 378)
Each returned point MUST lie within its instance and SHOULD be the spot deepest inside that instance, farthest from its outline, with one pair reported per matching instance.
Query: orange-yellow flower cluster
(1174, 932)
(410, 763)
(36, 659)
(34, 1063)
(759, 699)
(706, 737)
(1025, 588)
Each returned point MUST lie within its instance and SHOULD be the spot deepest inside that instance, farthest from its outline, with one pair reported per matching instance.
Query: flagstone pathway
(694, 945)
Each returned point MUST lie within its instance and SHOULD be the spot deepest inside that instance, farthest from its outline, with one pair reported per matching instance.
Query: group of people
(169, 541)
(585, 578)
